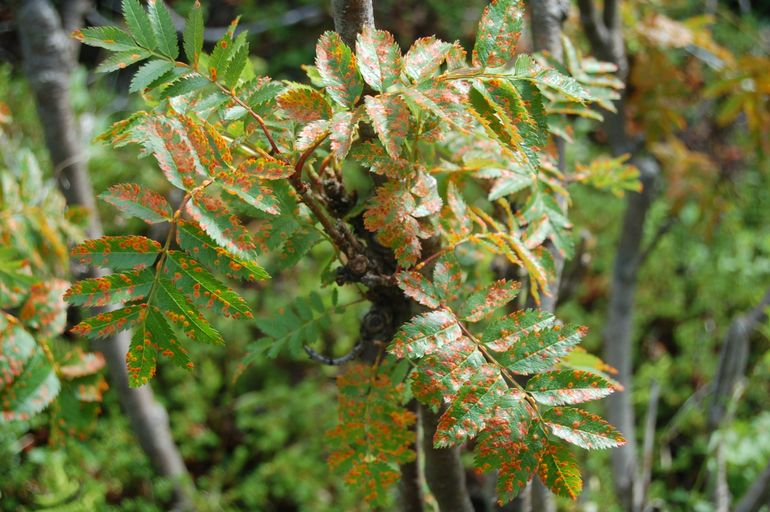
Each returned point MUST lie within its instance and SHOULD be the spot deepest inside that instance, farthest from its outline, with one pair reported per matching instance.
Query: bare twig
(335, 361)
(643, 482)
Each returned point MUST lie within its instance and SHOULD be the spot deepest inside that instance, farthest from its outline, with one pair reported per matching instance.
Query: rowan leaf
(148, 73)
(138, 202)
(109, 38)
(28, 379)
(563, 387)
(389, 216)
(582, 428)
(448, 278)
(302, 322)
(418, 287)
(180, 312)
(337, 67)
(441, 375)
(45, 309)
(498, 33)
(559, 470)
(118, 252)
(122, 60)
(151, 336)
(425, 57)
(185, 84)
(193, 34)
(312, 134)
(139, 24)
(163, 28)
(390, 118)
(203, 248)
(530, 341)
(213, 216)
(111, 289)
(108, 323)
(204, 289)
(484, 302)
(343, 128)
(425, 334)
(304, 104)
(512, 445)
(379, 58)
(466, 416)
(374, 435)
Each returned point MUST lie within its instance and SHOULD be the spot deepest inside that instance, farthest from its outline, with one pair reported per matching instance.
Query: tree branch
(757, 495)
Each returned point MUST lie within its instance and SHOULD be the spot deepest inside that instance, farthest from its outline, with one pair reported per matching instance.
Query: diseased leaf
(111, 289)
(151, 336)
(109, 38)
(559, 470)
(441, 375)
(179, 311)
(425, 57)
(425, 334)
(312, 134)
(213, 216)
(118, 252)
(448, 278)
(122, 60)
(484, 302)
(108, 323)
(582, 428)
(343, 128)
(563, 387)
(530, 341)
(498, 33)
(187, 274)
(389, 215)
(390, 118)
(416, 286)
(379, 58)
(204, 249)
(193, 34)
(466, 416)
(136, 201)
(29, 382)
(45, 309)
(337, 67)
(304, 104)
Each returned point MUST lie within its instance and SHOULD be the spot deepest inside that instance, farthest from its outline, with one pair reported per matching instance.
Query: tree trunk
(350, 18)
(47, 58)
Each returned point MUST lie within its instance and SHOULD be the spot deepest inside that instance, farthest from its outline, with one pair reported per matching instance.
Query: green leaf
(185, 85)
(121, 60)
(390, 118)
(416, 286)
(237, 62)
(108, 323)
(304, 105)
(28, 382)
(302, 322)
(425, 57)
(213, 216)
(582, 428)
(563, 387)
(379, 58)
(529, 341)
(193, 35)
(204, 289)
(111, 289)
(163, 28)
(109, 38)
(337, 67)
(468, 412)
(425, 334)
(559, 470)
(201, 247)
(139, 24)
(181, 312)
(498, 33)
(484, 302)
(138, 202)
(118, 252)
(148, 73)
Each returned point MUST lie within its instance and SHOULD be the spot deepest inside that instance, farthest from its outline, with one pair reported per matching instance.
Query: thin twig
(335, 361)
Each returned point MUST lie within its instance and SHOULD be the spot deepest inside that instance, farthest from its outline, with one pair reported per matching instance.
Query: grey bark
(733, 358)
(410, 486)
(605, 35)
(444, 470)
(47, 59)
(757, 495)
(350, 18)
